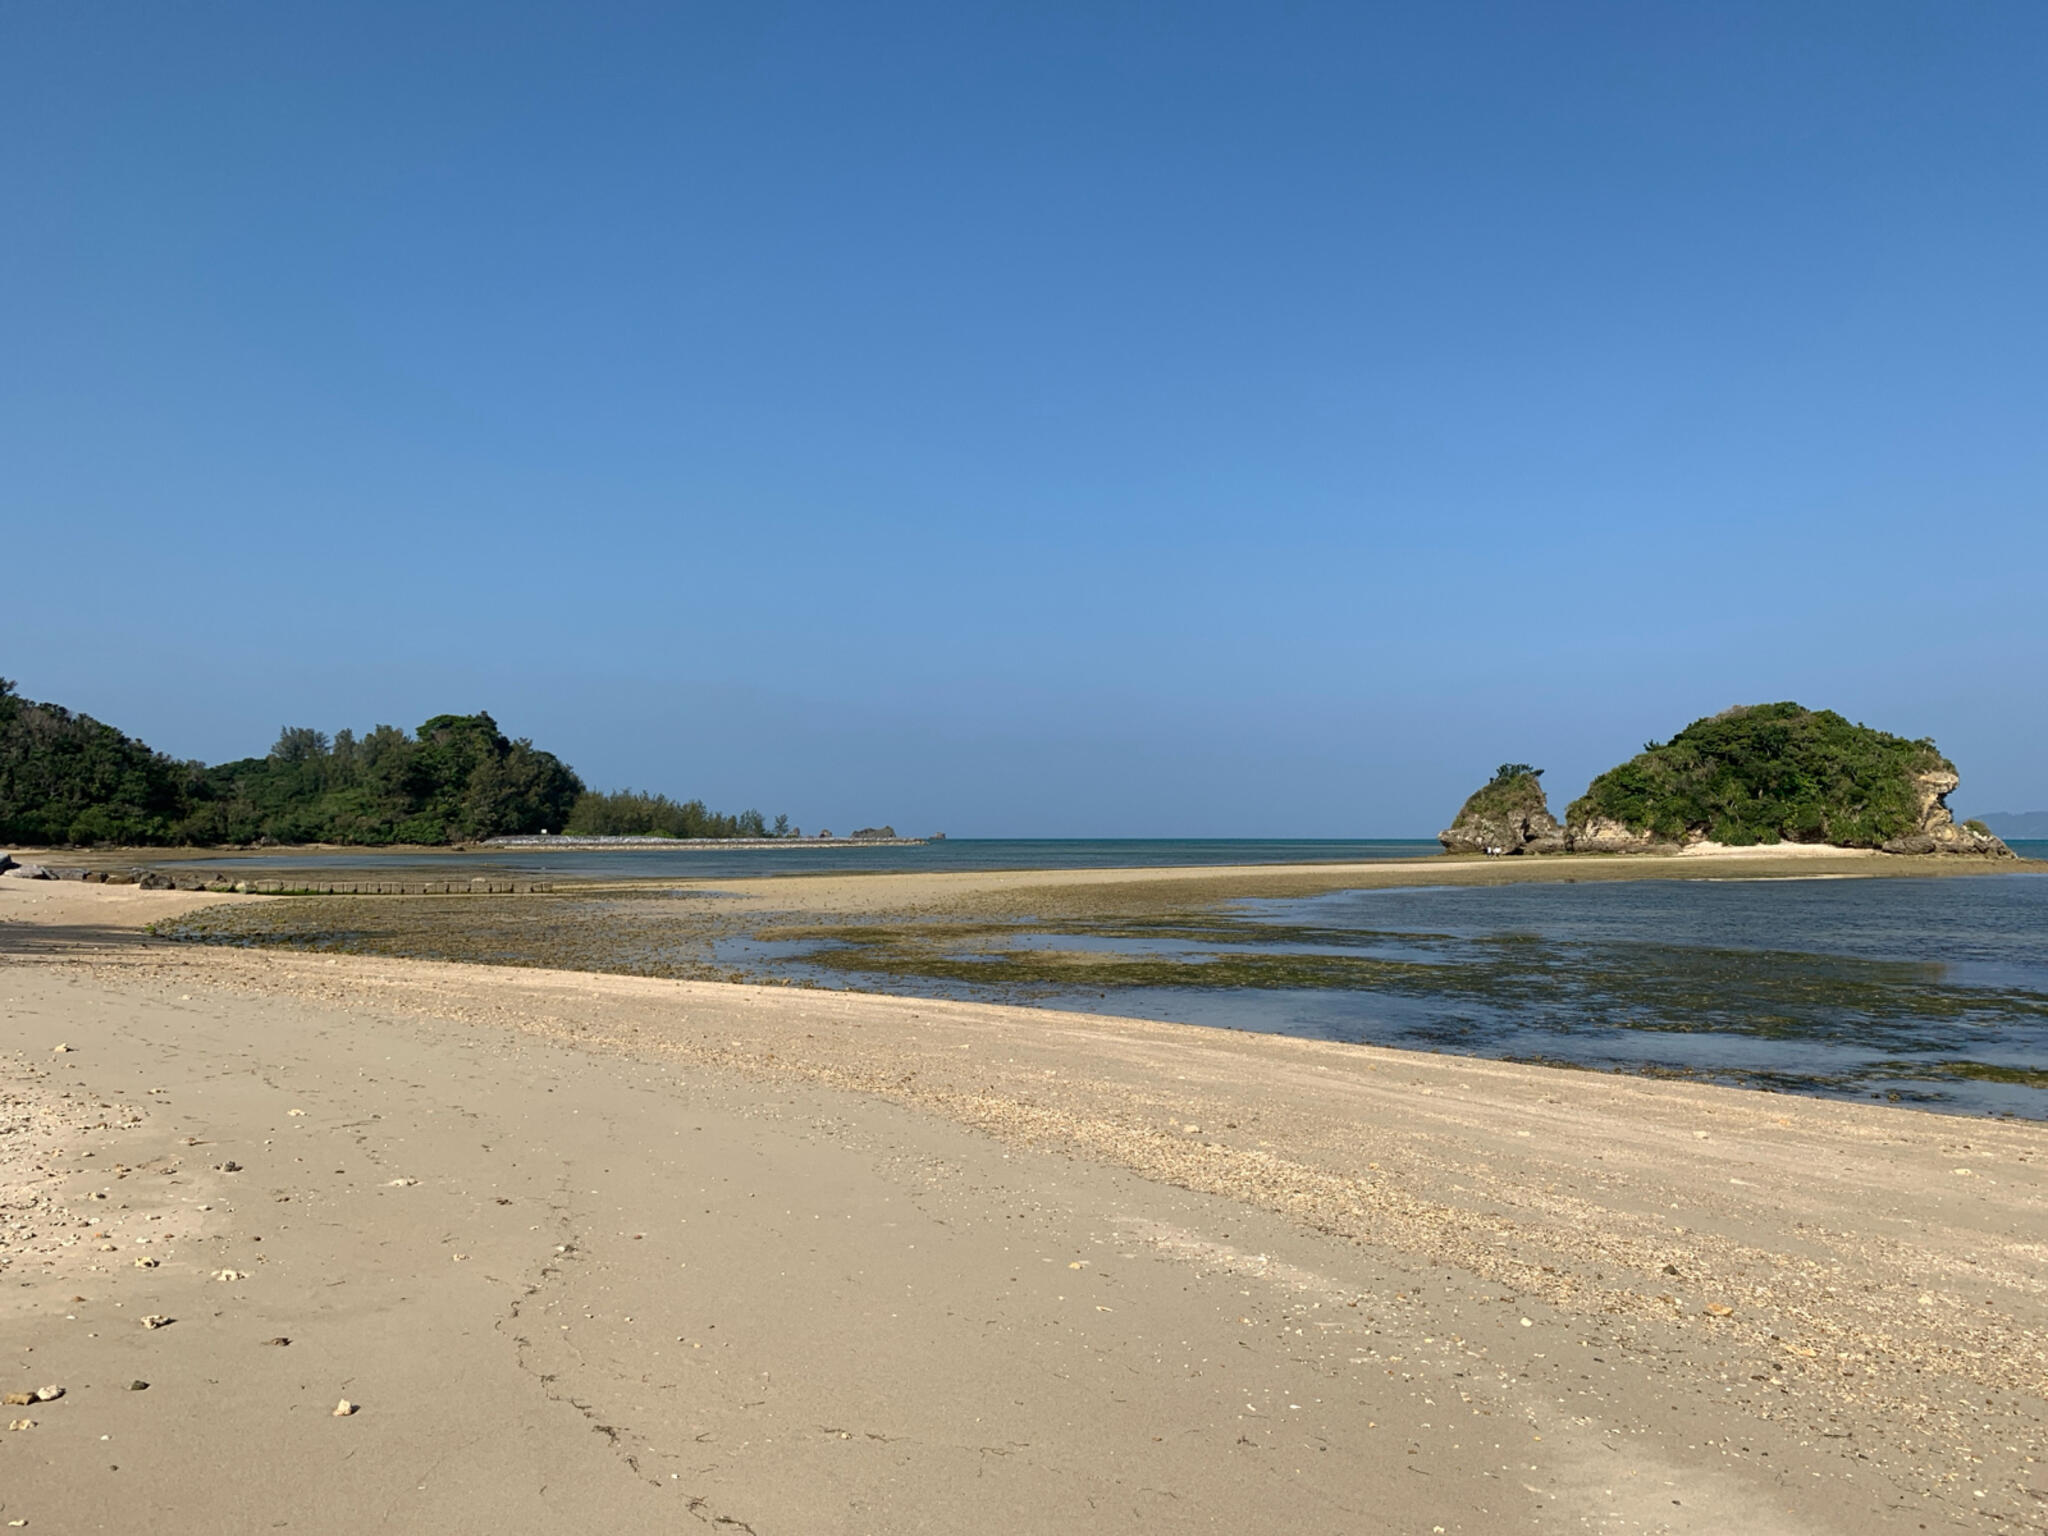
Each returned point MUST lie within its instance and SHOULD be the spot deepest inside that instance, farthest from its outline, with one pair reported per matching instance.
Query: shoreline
(1432, 1256)
(573, 843)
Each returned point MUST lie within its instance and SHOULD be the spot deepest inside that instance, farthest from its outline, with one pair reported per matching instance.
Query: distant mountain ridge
(2029, 825)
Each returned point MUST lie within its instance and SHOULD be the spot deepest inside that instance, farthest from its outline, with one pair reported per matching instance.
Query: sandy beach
(627, 1253)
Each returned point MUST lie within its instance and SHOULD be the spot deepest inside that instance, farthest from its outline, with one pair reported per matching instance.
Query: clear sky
(1104, 419)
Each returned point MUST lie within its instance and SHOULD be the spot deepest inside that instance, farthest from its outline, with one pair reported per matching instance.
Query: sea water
(1925, 991)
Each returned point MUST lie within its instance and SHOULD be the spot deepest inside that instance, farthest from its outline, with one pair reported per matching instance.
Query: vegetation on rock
(1507, 814)
(1768, 773)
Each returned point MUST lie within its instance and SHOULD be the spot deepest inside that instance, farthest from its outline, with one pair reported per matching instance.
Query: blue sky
(1031, 420)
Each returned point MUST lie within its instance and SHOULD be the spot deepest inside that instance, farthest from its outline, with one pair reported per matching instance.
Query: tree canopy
(1768, 773)
(69, 779)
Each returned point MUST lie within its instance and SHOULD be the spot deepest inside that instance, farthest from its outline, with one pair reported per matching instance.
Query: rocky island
(1753, 775)
(1506, 814)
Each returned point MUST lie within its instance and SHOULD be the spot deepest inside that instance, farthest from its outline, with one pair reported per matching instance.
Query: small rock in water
(344, 1408)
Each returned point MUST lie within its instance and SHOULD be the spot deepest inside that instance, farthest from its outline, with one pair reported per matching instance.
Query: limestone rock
(1507, 814)
(1937, 831)
(1601, 834)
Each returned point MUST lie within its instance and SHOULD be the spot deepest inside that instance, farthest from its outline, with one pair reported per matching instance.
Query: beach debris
(1191, 1130)
(458, 1257)
(1672, 1269)
(48, 1394)
(59, 1049)
(1528, 1323)
(21, 1423)
(400, 1183)
(344, 1409)
(280, 1341)
(295, 1111)
(138, 1386)
(147, 1263)
(188, 1141)
(19, 1399)
(1716, 1309)
(231, 1274)
(230, 1166)
(157, 1320)
(1078, 1264)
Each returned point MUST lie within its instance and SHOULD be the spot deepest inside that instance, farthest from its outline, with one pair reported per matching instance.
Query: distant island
(1750, 776)
(2031, 825)
(68, 780)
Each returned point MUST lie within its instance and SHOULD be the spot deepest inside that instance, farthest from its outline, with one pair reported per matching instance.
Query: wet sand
(622, 1253)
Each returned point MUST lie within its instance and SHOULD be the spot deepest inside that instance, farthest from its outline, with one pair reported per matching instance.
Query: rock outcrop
(1937, 831)
(1603, 834)
(1763, 774)
(1508, 814)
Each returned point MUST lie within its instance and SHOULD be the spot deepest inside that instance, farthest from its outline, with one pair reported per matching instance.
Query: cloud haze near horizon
(1106, 420)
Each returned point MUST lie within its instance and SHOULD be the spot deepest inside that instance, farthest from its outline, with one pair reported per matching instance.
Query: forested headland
(68, 779)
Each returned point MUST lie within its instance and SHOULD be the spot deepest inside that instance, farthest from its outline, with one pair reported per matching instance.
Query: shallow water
(1932, 991)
